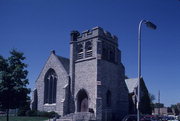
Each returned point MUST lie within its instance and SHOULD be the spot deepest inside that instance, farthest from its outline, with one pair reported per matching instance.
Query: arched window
(88, 45)
(108, 52)
(112, 54)
(104, 51)
(80, 48)
(50, 85)
(108, 98)
(88, 48)
(80, 51)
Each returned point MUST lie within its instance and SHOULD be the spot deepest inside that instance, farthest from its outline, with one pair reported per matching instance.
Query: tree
(175, 109)
(152, 98)
(158, 105)
(178, 107)
(145, 102)
(24, 108)
(13, 82)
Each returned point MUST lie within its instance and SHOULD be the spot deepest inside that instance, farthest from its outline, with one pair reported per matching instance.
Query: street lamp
(152, 26)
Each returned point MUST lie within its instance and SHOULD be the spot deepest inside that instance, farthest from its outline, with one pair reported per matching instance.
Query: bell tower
(97, 74)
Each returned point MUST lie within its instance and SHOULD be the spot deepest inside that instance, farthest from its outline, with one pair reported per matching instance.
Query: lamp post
(152, 26)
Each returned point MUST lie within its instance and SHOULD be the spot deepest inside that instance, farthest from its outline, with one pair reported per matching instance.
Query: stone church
(90, 84)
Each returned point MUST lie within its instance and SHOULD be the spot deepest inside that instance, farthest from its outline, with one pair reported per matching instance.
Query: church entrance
(82, 101)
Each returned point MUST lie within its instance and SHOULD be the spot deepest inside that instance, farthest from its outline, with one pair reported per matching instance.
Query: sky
(35, 27)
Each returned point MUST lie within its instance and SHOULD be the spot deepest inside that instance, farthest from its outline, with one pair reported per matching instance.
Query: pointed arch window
(88, 48)
(108, 52)
(108, 98)
(50, 85)
(80, 48)
(80, 51)
(112, 54)
(104, 51)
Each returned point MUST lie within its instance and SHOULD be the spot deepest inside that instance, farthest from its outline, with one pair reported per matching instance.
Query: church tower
(97, 75)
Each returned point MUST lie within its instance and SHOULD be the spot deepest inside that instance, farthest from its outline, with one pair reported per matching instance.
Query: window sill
(47, 104)
(85, 59)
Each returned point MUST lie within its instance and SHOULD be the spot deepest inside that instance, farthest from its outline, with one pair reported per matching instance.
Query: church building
(91, 83)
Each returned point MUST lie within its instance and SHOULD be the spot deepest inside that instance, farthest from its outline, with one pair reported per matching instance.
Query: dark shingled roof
(65, 62)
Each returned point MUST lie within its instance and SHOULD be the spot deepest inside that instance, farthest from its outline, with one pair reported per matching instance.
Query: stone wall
(54, 63)
(96, 74)
(111, 77)
(85, 78)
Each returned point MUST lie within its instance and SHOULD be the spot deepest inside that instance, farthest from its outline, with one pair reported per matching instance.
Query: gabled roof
(131, 84)
(65, 62)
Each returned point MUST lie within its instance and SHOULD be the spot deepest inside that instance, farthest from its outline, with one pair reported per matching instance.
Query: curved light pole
(152, 26)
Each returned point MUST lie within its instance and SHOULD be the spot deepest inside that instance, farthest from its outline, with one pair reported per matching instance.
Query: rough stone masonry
(91, 81)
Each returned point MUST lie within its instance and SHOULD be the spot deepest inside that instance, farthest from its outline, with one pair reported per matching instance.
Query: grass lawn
(18, 118)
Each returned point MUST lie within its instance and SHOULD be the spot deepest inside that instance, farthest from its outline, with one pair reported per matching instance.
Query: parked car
(172, 119)
(133, 117)
(2, 112)
(149, 118)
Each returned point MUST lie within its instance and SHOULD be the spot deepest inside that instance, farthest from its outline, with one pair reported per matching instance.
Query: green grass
(18, 118)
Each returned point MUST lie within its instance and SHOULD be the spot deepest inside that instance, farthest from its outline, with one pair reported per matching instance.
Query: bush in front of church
(41, 113)
(31, 113)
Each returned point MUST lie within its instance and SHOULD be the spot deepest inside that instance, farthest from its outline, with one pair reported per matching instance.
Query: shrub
(52, 114)
(41, 113)
(21, 113)
(31, 113)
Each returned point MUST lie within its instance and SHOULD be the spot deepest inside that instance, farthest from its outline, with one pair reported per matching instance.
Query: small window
(108, 52)
(88, 48)
(112, 54)
(88, 45)
(80, 51)
(108, 98)
(80, 48)
(104, 51)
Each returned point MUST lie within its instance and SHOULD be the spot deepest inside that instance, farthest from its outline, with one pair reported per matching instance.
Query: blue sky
(35, 27)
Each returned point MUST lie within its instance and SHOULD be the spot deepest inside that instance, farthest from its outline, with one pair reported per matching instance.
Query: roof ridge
(64, 61)
(62, 57)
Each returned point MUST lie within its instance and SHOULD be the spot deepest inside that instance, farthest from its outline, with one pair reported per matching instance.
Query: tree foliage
(175, 109)
(145, 102)
(152, 98)
(13, 81)
(158, 105)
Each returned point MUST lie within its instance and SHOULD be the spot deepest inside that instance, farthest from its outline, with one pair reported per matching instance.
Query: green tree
(158, 105)
(145, 102)
(175, 109)
(152, 98)
(178, 107)
(13, 82)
